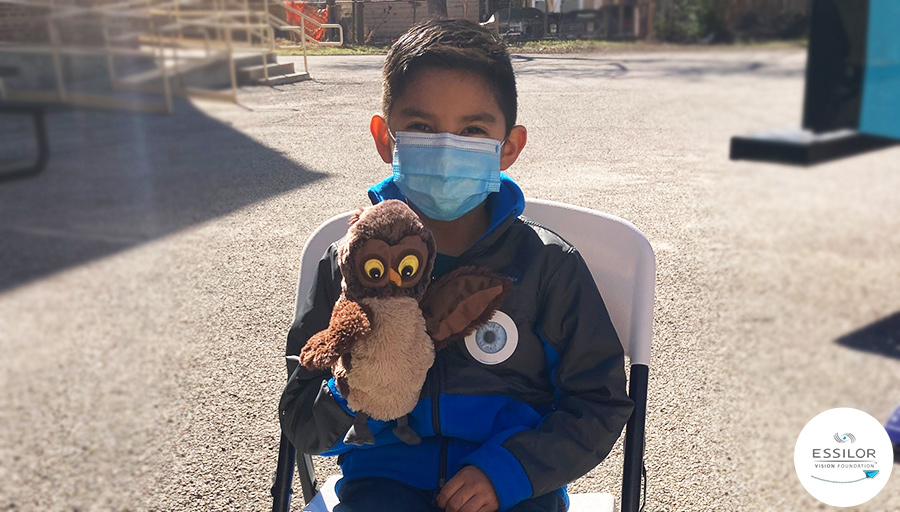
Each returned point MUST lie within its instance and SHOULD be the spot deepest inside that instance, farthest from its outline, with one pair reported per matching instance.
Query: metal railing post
(231, 66)
(167, 90)
(57, 60)
(219, 6)
(178, 19)
(110, 59)
(303, 42)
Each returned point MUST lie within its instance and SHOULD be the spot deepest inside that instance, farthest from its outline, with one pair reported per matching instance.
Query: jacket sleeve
(591, 404)
(311, 418)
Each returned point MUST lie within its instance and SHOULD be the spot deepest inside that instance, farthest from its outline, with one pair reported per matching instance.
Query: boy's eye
(474, 130)
(418, 127)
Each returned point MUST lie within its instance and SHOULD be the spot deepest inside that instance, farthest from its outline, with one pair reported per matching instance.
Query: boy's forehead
(457, 93)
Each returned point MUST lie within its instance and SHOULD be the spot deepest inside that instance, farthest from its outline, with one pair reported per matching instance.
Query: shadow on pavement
(690, 69)
(117, 180)
(881, 337)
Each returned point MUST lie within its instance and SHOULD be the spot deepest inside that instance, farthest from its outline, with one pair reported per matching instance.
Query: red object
(320, 15)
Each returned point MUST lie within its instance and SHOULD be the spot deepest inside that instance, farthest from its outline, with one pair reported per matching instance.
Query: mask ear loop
(393, 138)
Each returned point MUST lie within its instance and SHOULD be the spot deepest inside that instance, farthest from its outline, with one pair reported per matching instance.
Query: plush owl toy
(389, 320)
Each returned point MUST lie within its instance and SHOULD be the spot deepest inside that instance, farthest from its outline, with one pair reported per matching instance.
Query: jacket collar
(508, 202)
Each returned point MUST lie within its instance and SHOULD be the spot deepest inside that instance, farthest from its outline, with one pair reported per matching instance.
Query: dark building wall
(18, 24)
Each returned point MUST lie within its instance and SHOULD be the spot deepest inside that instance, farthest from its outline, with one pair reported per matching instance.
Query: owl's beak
(394, 277)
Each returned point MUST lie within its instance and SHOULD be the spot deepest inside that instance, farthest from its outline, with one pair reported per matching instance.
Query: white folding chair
(624, 268)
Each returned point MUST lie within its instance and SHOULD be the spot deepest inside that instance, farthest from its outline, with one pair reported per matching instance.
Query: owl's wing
(349, 324)
(461, 302)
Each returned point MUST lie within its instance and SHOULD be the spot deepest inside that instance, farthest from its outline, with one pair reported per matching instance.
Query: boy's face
(448, 101)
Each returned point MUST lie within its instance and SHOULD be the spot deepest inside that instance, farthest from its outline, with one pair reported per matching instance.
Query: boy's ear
(383, 143)
(518, 136)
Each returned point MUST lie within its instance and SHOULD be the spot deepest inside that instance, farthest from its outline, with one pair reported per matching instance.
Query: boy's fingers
(463, 502)
(483, 508)
(450, 488)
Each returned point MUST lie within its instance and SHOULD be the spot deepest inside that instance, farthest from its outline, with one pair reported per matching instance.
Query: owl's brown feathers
(389, 224)
(386, 261)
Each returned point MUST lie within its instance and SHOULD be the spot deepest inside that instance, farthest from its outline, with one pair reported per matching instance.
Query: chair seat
(595, 501)
(326, 500)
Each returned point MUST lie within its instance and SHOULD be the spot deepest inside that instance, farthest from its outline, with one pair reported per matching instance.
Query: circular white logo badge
(494, 341)
(843, 457)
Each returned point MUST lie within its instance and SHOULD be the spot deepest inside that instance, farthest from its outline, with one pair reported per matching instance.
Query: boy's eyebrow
(485, 117)
(414, 112)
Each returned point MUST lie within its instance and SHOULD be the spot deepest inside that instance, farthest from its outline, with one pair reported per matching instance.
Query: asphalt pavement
(148, 277)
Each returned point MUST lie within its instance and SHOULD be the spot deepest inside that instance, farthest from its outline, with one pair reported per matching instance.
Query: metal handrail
(307, 19)
(170, 21)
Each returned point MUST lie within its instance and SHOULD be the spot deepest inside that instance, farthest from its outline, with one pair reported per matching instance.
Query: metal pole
(231, 69)
(247, 20)
(361, 22)
(178, 18)
(167, 89)
(219, 6)
(621, 20)
(57, 60)
(176, 64)
(110, 59)
(303, 43)
(271, 31)
(636, 11)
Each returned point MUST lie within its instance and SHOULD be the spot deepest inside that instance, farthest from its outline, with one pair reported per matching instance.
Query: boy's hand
(470, 490)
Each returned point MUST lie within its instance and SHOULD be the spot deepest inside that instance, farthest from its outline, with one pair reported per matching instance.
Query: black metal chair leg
(282, 489)
(634, 439)
(284, 476)
(307, 476)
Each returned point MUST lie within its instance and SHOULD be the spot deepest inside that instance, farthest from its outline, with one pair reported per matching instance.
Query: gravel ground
(149, 275)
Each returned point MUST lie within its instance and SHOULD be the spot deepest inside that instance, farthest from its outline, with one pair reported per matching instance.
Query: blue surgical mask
(444, 175)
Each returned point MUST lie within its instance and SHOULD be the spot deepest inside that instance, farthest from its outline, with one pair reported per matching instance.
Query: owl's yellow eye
(409, 266)
(374, 268)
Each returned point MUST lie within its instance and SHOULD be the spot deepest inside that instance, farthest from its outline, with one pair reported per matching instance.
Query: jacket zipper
(436, 421)
(438, 380)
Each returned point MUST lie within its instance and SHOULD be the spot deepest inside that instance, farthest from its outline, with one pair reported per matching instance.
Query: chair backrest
(621, 261)
(326, 234)
(619, 256)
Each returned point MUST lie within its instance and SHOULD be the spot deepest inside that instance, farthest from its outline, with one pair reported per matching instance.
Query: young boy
(533, 400)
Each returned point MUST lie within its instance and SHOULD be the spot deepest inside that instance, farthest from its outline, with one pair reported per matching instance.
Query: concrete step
(171, 66)
(285, 79)
(253, 74)
(197, 69)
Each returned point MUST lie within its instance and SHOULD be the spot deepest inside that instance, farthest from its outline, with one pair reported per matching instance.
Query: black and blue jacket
(535, 399)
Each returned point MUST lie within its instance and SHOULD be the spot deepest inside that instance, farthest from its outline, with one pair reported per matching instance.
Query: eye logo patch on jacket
(495, 341)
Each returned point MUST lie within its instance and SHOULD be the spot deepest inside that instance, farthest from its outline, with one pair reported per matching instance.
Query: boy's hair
(451, 44)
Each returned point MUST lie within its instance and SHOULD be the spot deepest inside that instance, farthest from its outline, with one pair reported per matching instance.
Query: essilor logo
(843, 438)
(843, 476)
